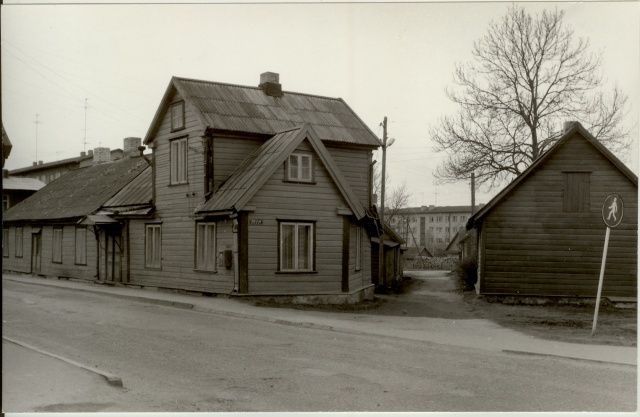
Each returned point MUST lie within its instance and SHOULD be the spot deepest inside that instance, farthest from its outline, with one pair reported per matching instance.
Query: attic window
(299, 168)
(177, 116)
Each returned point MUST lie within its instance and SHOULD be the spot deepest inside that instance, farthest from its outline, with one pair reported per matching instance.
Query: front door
(113, 258)
(36, 252)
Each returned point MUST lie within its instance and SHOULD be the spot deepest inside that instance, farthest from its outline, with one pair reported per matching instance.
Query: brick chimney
(131, 147)
(101, 155)
(270, 84)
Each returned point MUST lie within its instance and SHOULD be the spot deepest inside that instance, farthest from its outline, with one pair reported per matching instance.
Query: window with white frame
(5, 242)
(299, 168)
(358, 248)
(296, 246)
(177, 116)
(18, 244)
(206, 246)
(179, 161)
(57, 245)
(81, 246)
(153, 247)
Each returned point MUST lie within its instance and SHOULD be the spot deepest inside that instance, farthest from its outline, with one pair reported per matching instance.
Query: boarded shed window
(296, 247)
(153, 247)
(206, 246)
(19, 234)
(57, 245)
(5, 242)
(81, 245)
(577, 192)
(179, 161)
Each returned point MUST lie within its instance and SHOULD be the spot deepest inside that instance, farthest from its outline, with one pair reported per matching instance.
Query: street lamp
(385, 145)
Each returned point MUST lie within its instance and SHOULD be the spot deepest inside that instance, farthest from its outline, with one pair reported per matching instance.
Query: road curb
(549, 355)
(112, 380)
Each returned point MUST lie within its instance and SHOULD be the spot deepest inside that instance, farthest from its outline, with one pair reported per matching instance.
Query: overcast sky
(388, 59)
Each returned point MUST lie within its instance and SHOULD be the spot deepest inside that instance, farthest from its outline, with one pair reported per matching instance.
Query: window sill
(295, 272)
(204, 271)
(178, 184)
(77, 264)
(299, 182)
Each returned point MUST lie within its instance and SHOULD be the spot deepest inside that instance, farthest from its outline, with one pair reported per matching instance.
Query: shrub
(467, 272)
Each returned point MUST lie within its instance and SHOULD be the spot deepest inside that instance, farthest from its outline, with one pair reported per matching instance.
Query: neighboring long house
(59, 231)
(543, 235)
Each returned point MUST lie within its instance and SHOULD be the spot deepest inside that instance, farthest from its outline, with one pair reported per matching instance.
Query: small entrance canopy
(96, 219)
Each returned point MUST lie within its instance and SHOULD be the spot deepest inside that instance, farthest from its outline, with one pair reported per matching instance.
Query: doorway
(36, 253)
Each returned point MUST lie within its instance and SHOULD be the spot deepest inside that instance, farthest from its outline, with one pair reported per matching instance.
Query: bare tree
(398, 199)
(528, 76)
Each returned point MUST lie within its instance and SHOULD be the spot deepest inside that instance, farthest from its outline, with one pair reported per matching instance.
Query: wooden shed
(543, 235)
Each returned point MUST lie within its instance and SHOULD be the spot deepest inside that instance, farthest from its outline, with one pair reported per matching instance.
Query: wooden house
(257, 191)
(543, 235)
(58, 231)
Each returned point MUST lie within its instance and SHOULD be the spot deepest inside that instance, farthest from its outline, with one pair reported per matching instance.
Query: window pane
(200, 246)
(174, 162)
(304, 247)
(293, 167)
(19, 242)
(81, 246)
(288, 246)
(306, 168)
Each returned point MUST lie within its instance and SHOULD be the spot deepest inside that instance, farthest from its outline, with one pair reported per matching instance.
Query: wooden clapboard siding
(13, 263)
(280, 200)
(178, 259)
(175, 205)
(228, 154)
(354, 165)
(66, 269)
(532, 247)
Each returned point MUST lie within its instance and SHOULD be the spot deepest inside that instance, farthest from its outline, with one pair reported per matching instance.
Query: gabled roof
(235, 108)
(455, 240)
(576, 128)
(77, 193)
(22, 184)
(234, 194)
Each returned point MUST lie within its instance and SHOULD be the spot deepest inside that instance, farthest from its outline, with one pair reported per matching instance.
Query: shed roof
(77, 193)
(235, 108)
(250, 176)
(22, 183)
(575, 129)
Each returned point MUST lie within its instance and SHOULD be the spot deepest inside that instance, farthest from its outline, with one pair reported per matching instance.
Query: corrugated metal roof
(77, 193)
(22, 183)
(137, 192)
(61, 162)
(235, 108)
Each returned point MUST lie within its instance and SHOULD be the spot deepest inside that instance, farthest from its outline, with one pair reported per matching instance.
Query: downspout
(152, 164)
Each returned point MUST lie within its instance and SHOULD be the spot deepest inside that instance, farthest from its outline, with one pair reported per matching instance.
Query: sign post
(612, 212)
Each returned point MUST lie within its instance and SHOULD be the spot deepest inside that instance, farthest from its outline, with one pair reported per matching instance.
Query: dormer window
(299, 168)
(177, 116)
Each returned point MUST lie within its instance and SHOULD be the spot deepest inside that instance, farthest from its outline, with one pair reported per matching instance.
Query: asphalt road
(175, 360)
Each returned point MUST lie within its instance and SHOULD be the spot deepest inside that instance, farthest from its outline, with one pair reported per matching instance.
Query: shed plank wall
(533, 247)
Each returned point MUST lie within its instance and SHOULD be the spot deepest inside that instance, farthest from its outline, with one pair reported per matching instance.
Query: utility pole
(381, 280)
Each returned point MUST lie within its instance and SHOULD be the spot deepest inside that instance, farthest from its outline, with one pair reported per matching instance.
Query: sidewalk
(474, 333)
